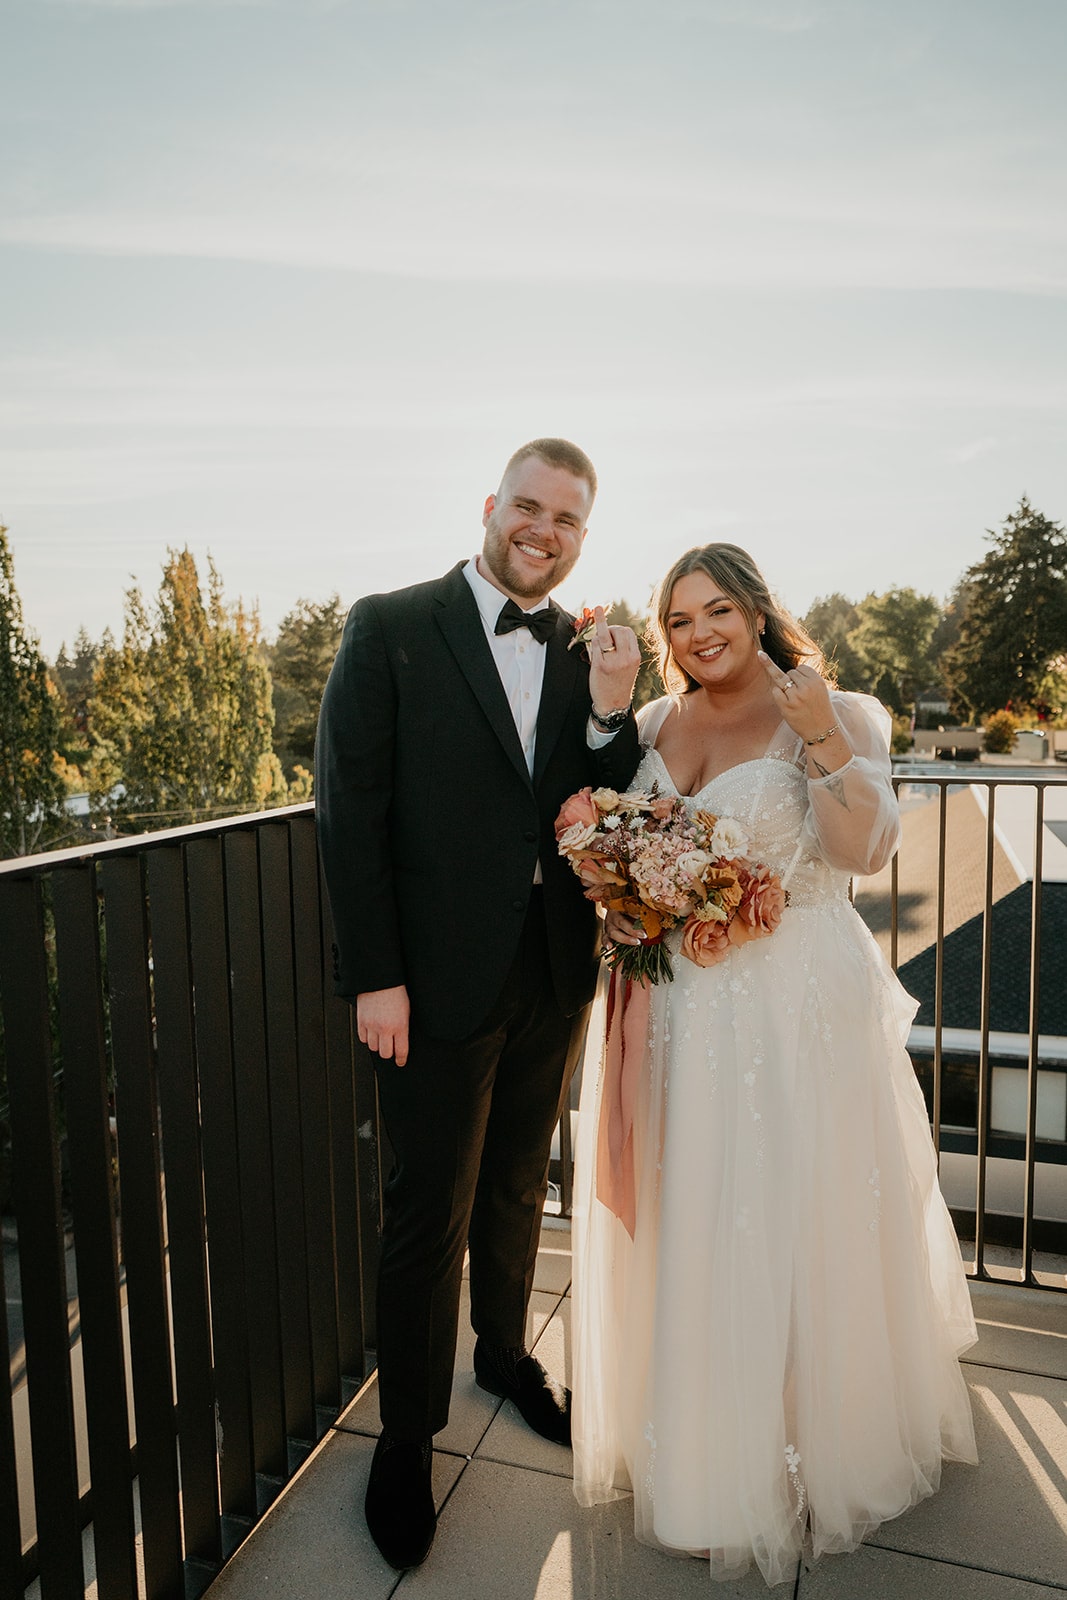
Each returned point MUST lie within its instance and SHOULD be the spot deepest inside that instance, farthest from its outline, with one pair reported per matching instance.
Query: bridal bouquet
(643, 855)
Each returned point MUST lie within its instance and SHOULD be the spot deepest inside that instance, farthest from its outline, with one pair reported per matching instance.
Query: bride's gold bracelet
(822, 737)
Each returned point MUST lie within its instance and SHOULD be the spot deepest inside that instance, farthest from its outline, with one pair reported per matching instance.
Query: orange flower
(705, 943)
(761, 907)
(723, 883)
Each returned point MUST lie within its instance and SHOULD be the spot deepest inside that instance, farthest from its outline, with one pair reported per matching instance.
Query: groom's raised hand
(614, 657)
(382, 1017)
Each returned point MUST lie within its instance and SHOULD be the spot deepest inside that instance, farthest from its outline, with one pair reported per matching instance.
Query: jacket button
(519, 905)
(530, 836)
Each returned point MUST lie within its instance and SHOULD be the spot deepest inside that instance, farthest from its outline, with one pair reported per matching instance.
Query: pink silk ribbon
(624, 1056)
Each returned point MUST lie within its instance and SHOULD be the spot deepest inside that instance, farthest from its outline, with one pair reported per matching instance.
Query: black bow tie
(542, 624)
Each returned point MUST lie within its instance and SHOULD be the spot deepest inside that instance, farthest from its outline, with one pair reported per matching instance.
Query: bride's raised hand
(802, 697)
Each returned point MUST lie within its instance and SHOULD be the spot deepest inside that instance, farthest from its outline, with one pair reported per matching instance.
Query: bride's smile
(711, 637)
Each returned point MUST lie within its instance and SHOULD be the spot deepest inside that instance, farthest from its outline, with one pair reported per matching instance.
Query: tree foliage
(181, 718)
(300, 661)
(1015, 622)
(649, 685)
(892, 643)
(31, 786)
(830, 621)
(882, 644)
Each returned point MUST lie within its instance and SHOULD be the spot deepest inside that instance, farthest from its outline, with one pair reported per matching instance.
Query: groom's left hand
(614, 658)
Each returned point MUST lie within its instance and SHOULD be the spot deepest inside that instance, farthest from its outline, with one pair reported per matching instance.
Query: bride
(773, 1353)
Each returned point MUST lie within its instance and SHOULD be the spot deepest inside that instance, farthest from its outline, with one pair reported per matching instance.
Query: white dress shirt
(519, 657)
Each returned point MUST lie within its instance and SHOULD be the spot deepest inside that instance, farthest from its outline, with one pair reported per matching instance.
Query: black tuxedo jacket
(429, 824)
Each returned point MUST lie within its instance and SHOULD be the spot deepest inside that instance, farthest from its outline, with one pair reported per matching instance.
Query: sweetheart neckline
(753, 761)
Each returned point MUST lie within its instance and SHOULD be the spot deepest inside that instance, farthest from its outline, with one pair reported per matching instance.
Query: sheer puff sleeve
(853, 820)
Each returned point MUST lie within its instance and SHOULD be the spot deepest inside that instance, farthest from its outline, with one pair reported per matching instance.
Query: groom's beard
(519, 580)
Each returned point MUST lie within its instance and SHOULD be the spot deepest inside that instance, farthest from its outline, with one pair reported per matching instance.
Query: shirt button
(526, 696)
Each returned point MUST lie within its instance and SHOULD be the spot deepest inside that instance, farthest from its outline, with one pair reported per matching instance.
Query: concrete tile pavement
(510, 1528)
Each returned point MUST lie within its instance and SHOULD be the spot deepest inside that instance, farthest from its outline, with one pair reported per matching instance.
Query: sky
(286, 282)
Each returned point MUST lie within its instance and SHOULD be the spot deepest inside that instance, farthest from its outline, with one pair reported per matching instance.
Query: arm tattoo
(836, 786)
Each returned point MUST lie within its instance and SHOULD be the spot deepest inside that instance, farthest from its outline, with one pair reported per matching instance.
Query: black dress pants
(471, 1128)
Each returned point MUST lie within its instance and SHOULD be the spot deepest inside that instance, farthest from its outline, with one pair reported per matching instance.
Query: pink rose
(705, 943)
(761, 907)
(661, 807)
(581, 807)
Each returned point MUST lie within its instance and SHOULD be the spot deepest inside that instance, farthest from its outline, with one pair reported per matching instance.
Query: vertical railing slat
(229, 1315)
(42, 1256)
(982, 1114)
(179, 1093)
(81, 1027)
(939, 967)
(143, 1249)
(252, 1102)
(287, 1153)
(314, 1114)
(1034, 1051)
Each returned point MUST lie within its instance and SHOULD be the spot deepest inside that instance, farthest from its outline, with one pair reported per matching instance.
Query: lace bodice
(814, 834)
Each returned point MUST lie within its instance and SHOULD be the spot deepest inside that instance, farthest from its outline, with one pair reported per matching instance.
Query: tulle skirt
(774, 1356)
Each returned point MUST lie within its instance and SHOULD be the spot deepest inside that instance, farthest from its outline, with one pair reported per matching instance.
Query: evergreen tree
(300, 660)
(31, 787)
(73, 675)
(1015, 622)
(181, 715)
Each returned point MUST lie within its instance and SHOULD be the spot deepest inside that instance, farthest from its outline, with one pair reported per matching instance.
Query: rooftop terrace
(511, 1529)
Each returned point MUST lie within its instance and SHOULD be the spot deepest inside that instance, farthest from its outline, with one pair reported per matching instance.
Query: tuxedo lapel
(561, 672)
(458, 618)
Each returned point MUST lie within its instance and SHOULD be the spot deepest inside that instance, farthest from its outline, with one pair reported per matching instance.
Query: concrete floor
(510, 1528)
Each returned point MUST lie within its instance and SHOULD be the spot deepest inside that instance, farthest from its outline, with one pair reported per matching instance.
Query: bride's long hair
(785, 640)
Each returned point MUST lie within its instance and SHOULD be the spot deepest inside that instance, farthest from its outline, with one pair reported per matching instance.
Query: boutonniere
(585, 626)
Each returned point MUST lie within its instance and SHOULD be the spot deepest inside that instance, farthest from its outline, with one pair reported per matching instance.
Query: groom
(454, 724)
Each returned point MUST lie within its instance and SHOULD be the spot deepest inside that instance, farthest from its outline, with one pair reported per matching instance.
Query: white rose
(728, 838)
(576, 837)
(693, 863)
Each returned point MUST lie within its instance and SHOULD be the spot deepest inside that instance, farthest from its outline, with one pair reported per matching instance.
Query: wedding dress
(775, 1351)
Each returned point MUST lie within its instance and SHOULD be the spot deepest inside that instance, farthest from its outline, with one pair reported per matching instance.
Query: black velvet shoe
(399, 1503)
(541, 1401)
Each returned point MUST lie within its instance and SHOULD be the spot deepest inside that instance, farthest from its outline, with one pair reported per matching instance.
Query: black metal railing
(195, 1193)
(972, 1055)
(192, 1136)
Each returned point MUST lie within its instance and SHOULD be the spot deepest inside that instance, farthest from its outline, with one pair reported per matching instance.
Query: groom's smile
(534, 527)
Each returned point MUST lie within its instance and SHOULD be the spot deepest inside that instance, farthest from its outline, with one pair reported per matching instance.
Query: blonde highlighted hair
(737, 576)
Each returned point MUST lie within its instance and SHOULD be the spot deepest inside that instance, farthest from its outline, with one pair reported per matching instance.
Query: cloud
(414, 229)
(965, 453)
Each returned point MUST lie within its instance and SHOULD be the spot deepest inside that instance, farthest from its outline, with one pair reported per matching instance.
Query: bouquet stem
(650, 960)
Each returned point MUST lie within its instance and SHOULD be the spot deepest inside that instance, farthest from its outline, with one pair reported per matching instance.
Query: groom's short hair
(557, 453)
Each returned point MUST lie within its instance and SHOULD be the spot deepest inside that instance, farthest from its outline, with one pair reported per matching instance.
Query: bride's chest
(768, 795)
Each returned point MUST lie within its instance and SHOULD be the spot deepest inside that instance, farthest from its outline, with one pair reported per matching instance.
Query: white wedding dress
(775, 1351)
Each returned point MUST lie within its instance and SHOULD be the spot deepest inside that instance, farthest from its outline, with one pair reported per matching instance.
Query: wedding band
(606, 649)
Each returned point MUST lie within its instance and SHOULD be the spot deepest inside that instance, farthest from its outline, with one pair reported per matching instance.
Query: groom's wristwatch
(610, 721)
